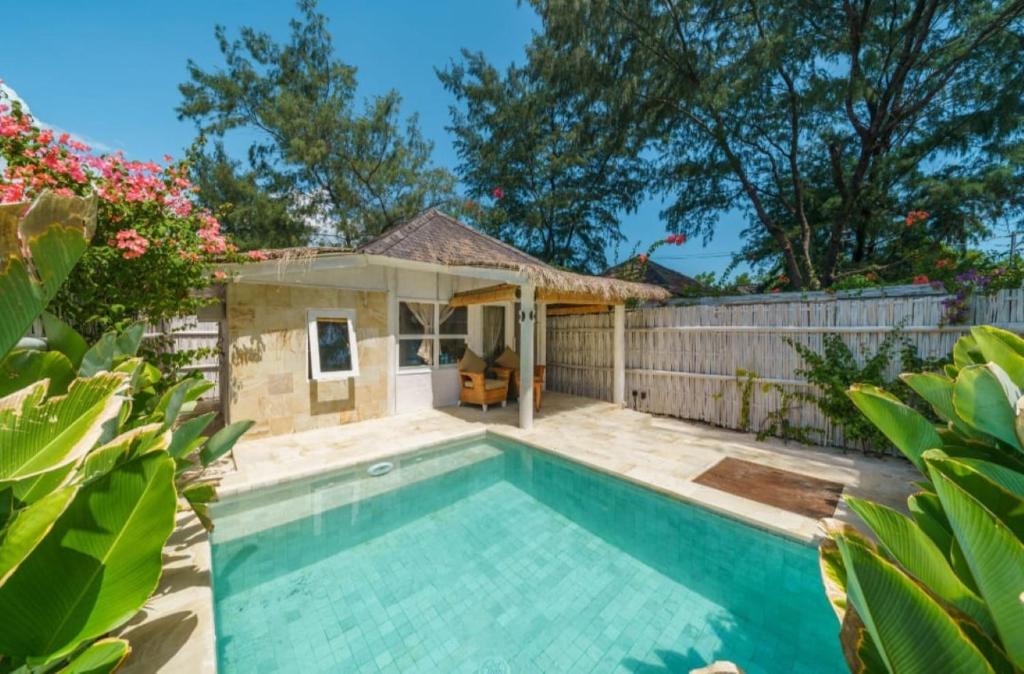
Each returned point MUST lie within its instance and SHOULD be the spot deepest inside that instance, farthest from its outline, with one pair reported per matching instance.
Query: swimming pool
(490, 556)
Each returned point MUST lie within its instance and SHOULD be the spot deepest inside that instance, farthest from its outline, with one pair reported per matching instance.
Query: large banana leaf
(936, 389)
(223, 440)
(920, 556)
(55, 231)
(911, 631)
(1003, 348)
(985, 398)
(29, 527)
(41, 435)
(23, 367)
(63, 338)
(909, 431)
(102, 657)
(107, 546)
(988, 522)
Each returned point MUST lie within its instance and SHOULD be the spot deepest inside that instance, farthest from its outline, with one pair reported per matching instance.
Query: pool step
(264, 509)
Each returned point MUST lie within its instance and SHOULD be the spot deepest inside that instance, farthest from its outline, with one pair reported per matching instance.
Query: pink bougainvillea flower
(498, 193)
(921, 279)
(132, 243)
(258, 255)
(219, 275)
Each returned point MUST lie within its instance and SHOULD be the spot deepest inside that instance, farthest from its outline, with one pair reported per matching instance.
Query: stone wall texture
(269, 362)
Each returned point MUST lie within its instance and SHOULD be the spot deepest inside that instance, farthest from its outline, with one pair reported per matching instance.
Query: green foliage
(56, 232)
(315, 157)
(543, 171)
(836, 368)
(826, 122)
(88, 488)
(941, 590)
(256, 217)
(777, 422)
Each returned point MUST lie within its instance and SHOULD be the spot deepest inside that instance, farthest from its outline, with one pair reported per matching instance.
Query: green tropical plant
(92, 460)
(943, 588)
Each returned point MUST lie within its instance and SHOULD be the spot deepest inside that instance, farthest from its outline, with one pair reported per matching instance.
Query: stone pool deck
(176, 631)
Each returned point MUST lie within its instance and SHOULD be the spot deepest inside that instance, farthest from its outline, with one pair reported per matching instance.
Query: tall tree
(825, 120)
(556, 175)
(362, 171)
(255, 214)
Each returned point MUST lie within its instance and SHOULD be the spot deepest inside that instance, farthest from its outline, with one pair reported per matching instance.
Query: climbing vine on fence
(837, 367)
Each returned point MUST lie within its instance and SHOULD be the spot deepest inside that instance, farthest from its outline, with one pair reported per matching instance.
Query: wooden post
(619, 356)
(391, 352)
(527, 317)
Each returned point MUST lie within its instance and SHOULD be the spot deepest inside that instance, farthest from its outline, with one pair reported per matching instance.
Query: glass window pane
(451, 351)
(415, 352)
(456, 323)
(333, 344)
(415, 318)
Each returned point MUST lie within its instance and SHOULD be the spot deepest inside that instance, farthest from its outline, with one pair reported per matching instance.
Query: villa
(400, 310)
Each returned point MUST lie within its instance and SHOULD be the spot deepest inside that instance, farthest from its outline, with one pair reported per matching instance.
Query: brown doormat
(797, 493)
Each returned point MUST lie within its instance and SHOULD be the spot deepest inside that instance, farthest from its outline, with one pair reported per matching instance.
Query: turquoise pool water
(488, 556)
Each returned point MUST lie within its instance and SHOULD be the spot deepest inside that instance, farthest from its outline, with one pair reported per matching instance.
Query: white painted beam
(619, 356)
(391, 352)
(527, 321)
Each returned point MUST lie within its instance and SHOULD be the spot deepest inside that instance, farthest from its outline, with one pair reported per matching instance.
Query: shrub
(152, 248)
(942, 589)
(92, 460)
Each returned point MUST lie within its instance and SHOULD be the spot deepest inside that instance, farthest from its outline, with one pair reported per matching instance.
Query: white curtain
(445, 313)
(424, 315)
(494, 332)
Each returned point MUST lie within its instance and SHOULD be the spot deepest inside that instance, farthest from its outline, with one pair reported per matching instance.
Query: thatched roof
(655, 274)
(437, 238)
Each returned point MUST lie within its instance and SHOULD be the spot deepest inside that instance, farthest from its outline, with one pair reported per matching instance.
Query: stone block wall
(269, 361)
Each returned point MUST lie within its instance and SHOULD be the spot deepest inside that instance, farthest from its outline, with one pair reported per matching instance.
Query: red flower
(776, 290)
(944, 263)
(921, 279)
(914, 217)
(783, 278)
(642, 257)
(498, 193)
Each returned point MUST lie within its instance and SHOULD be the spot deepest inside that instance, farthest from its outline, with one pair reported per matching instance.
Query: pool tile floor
(496, 582)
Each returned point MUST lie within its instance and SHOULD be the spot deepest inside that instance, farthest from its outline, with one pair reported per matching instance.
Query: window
(333, 353)
(431, 334)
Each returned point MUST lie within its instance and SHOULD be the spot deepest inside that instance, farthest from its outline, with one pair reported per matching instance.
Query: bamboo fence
(682, 360)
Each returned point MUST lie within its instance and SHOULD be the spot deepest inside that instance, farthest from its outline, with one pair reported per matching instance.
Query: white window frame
(312, 315)
(435, 337)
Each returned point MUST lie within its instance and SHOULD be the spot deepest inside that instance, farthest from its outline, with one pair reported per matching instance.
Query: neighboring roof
(655, 274)
(301, 252)
(437, 238)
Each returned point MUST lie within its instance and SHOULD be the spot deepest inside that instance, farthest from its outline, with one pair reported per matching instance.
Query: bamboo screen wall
(681, 361)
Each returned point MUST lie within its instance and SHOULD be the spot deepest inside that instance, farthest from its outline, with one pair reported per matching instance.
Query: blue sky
(108, 72)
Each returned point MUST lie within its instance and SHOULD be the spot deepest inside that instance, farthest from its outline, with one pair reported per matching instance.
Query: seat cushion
(471, 362)
(508, 359)
(492, 384)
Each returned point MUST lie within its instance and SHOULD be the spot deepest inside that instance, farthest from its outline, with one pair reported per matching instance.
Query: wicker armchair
(476, 389)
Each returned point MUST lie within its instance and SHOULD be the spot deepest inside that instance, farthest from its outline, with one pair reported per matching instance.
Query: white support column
(526, 325)
(619, 350)
(391, 353)
(542, 338)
